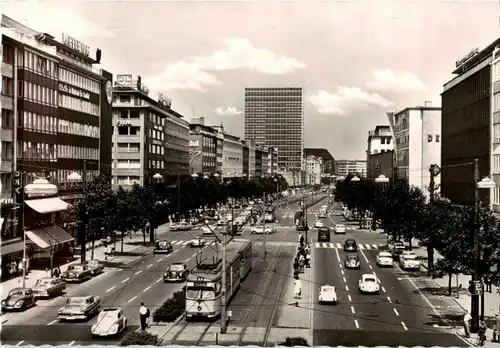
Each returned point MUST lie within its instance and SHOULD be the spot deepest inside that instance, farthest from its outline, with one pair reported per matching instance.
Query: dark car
(163, 246)
(324, 234)
(350, 245)
(352, 261)
(19, 299)
(176, 272)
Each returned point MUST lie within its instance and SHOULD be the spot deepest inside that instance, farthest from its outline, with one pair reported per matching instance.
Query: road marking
(342, 271)
(125, 280)
(389, 299)
(139, 271)
(375, 246)
(19, 343)
(151, 265)
(352, 310)
(356, 323)
(366, 259)
(133, 298)
(346, 288)
(370, 266)
(159, 260)
(149, 287)
(176, 250)
(404, 325)
(349, 297)
(340, 265)
(383, 289)
(52, 322)
(71, 343)
(338, 256)
(396, 311)
(185, 261)
(111, 288)
(159, 280)
(345, 280)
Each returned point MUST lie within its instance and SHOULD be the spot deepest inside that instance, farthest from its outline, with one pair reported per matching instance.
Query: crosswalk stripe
(331, 245)
(339, 246)
(375, 246)
(361, 246)
(186, 242)
(317, 245)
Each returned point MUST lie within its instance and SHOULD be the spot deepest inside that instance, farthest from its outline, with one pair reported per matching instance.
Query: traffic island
(172, 308)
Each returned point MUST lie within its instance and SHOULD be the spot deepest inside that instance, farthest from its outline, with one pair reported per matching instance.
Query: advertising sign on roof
(75, 45)
(124, 80)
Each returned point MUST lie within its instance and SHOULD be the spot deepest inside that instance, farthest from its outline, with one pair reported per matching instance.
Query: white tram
(204, 283)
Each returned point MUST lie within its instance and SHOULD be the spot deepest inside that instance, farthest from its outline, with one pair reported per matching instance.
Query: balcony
(7, 70)
(6, 102)
(127, 172)
(6, 134)
(6, 165)
(124, 154)
(129, 138)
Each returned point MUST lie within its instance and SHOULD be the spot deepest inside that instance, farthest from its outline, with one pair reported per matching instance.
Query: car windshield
(350, 242)
(77, 268)
(369, 279)
(200, 292)
(340, 226)
(163, 243)
(352, 258)
(44, 281)
(329, 289)
(176, 268)
(75, 301)
(411, 257)
(93, 263)
(385, 255)
(16, 292)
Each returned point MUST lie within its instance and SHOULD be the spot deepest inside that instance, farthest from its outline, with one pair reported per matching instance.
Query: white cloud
(389, 80)
(230, 111)
(197, 73)
(345, 99)
(54, 18)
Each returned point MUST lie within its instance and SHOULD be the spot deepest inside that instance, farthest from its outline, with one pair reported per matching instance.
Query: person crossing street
(143, 315)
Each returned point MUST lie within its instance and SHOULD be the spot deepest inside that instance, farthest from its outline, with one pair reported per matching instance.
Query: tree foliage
(295, 341)
(139, 338)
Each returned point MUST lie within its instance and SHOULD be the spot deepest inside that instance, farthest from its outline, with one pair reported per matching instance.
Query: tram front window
(206, 293)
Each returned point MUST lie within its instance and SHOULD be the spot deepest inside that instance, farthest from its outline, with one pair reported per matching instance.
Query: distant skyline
(355, 60)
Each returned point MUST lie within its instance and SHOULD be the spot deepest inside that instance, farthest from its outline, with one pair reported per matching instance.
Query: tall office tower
(274, 117)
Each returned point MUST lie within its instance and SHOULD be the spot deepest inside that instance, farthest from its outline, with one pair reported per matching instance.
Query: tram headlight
(199, 308)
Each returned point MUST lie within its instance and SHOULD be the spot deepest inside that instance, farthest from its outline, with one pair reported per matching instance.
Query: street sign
(478, 288)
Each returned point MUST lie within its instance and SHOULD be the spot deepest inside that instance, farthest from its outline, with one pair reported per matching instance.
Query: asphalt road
(396, 316)
(141, 280)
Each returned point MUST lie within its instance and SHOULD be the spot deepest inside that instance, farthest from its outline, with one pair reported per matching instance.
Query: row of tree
(103, 210)
(405, 213)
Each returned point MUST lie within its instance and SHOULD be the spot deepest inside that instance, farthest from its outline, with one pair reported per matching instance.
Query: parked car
(77, 273)
(110, 322)
(384, 259)
(183, 226)
(19, 299)
(163, 247)
(95, 267)
(176, 272)
(352, 261)
(369, 284)
(49, 287)
(198, 242)
(408, 261)
(79, 308)
(327, 294)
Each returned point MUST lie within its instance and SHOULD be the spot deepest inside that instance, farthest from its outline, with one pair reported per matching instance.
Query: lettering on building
(194, 143)
(75, 45)
(74, 91)
(122, 123)
(124, 81)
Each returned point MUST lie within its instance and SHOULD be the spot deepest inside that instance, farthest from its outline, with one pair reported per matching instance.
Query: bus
(204, 283)
(324, 234)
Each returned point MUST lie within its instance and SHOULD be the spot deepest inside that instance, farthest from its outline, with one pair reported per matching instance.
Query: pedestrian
(56, 273)
(297, 288)
(467, 320)
(481, 333)
(488, 283)
(308, 260)
(496, 328)
(301, 239)
(143, 315)
(20, 268)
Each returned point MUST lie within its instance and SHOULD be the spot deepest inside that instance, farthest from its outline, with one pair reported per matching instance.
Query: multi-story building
(274, 117)
(273, 160)
(232, 165)
(314, 169)
(381, 163)
(220, 153)
(346, 167)
(379, 141)
(141, 140)
(56, 120)
(326, 157)
(246, 158)
(469, 126)
(251, 158)
(258, 161)
(203, 146)
(417, 134)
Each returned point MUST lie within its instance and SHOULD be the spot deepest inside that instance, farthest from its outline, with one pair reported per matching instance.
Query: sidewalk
(131, 250)
(452, 309)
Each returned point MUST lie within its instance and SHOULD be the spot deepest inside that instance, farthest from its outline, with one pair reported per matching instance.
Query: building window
(8, 54)
(7, 119)
(7, 86)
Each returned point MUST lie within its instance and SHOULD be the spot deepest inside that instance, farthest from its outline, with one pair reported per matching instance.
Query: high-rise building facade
(274, 117)
(346, 167)
(203, 145)
(232, 165)
(314, 169)
(380, 140)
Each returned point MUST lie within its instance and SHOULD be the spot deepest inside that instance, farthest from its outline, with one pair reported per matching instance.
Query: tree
(295, 341)
(124, 211)
(139, 338)
(96, 211)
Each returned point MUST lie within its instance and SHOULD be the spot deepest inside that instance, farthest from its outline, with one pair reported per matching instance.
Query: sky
(356, 60)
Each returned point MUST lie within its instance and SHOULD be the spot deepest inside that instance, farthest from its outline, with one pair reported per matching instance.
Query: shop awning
(47, 205)
(11, 248)
(49, 236)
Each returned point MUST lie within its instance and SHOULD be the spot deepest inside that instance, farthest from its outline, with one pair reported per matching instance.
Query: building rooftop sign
(465, 58)
(75, 45)
(164, 100)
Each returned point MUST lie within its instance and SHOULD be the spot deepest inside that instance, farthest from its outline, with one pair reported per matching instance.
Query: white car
(110, 322)
(198, 242)
(206, 231)
(220, 223)
(262, 230)
(369, 284)
(408, 261)
(327, 294)
(340, 229)
(318, 224)
(384, 259)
